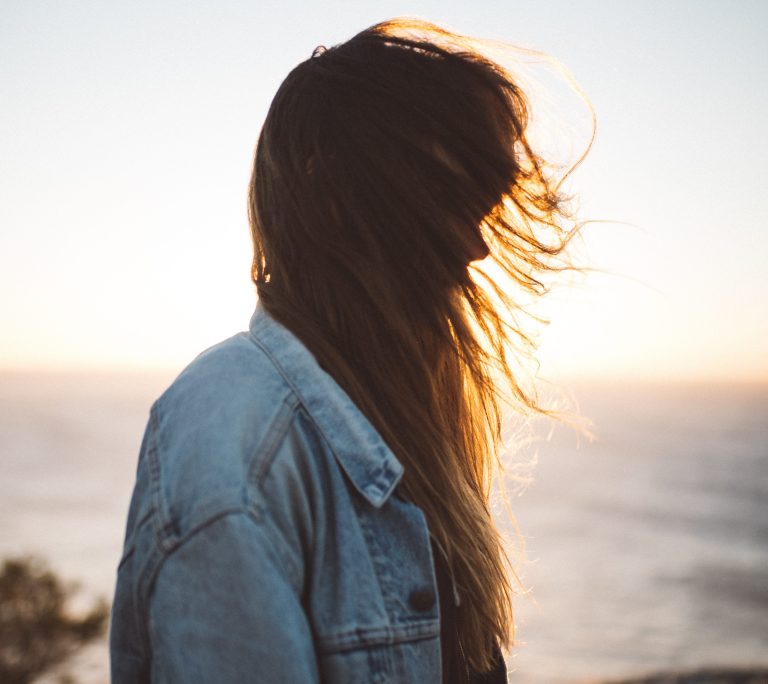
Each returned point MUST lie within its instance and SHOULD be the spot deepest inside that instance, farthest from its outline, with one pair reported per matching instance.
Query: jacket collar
(367, 460)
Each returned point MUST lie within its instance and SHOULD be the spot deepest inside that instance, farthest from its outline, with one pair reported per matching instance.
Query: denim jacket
(266, 540)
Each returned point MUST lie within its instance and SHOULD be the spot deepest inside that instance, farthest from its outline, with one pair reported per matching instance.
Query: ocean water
(647, 548)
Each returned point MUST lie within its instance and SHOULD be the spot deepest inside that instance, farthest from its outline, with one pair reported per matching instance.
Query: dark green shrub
(37, 629)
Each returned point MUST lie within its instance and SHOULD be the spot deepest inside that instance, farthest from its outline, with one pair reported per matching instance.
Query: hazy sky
(126, 136)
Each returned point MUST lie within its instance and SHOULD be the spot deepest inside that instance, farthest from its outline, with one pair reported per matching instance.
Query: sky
(127, 133)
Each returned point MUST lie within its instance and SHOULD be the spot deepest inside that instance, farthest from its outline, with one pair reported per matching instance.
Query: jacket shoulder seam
(254, 515)
(261, 460)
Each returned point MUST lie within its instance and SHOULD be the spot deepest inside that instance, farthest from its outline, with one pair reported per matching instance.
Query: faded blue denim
(266, 541)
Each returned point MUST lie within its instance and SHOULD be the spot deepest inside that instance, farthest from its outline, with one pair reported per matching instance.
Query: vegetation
(37, 629)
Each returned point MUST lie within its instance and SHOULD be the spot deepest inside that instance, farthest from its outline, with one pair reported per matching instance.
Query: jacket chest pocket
(397, 540)
(377, 601)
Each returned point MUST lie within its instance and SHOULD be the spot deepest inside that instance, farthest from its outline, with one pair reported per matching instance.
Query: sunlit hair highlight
(386, 165)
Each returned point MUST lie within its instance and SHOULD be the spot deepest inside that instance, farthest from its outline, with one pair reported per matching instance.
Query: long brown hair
(387, 164)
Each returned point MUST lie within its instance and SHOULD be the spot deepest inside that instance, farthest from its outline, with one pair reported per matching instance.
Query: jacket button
(421, 600)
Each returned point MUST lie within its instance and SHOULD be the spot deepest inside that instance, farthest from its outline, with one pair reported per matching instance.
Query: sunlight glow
(127, 136)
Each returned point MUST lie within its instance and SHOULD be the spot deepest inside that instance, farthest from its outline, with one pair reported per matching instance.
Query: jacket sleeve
(223, 609)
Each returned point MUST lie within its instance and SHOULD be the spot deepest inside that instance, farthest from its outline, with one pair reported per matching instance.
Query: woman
(311, 500)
